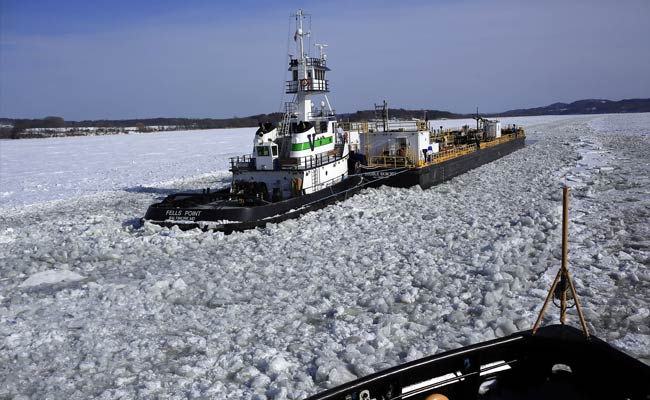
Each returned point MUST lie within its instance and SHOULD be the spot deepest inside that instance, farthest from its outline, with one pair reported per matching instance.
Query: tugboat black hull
(216, 211)
(558, 362)
(437, 173)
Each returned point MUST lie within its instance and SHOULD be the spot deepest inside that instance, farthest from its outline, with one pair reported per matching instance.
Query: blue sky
(138, 59)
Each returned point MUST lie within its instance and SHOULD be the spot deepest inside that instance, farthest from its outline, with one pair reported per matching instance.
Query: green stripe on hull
(317, 143)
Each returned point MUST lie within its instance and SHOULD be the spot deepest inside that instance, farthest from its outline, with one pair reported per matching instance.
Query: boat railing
(325, 115)
(308, 162)
(497, 141)
(318, 62)
(242, 163)
(380, 126)
(360, 127)
(399, 126)
(247, 162)
(456, 151)
(306, 85)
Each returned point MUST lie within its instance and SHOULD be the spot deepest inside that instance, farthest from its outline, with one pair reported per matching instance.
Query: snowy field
(94, 306)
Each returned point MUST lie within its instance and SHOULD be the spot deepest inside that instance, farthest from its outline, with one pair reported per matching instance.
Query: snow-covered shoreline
(283, 312)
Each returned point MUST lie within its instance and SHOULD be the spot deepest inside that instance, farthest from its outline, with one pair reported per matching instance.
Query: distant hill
(11, 128)
(399, 113)
(591, 106)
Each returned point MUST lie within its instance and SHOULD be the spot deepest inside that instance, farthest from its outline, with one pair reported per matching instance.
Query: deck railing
(318, 62)
(307, 85)
(390, 126)
(308, 162)
(457, 151)
(496, 141)
(247, 162)
(242, 163)
(360, 127)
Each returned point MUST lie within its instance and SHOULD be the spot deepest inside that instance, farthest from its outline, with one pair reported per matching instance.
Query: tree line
(15, 128)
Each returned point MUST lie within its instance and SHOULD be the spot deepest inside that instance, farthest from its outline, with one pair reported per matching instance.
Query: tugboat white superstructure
(307, 152)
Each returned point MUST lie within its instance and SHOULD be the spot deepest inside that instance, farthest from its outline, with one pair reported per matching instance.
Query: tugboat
(298, 166)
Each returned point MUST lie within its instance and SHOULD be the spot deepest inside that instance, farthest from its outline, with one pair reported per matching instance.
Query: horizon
(455, 114)
(156, 59)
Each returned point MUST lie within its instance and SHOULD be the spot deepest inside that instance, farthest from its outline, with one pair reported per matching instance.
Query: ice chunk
(7, 236)
(526, 221)
(160, 286)
(51, 277)
(506, 328)
(337, 374)
(179, 285)
(277, 365)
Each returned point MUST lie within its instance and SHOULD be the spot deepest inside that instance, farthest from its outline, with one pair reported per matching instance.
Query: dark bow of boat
(553, 362)
(557, 362)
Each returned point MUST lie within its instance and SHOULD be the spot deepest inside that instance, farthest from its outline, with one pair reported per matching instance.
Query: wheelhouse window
(262, 151)
(274, 150)
(323, 126)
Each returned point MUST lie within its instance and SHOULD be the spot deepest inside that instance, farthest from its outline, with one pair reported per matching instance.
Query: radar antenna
(321, 48)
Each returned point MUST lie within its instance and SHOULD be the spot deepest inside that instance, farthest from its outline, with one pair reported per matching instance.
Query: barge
(428, 155)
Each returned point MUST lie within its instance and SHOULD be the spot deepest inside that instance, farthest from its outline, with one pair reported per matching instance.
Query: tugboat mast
(300, 34)
(308, 76)
(304, 103)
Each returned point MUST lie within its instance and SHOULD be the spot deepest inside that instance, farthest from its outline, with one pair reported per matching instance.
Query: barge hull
(434, 174)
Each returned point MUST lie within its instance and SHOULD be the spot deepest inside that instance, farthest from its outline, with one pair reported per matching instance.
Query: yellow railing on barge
(407, 160)
(447, 155)
(494, 142)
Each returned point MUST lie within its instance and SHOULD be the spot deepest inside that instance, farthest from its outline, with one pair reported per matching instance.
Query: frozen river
(94, 306)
